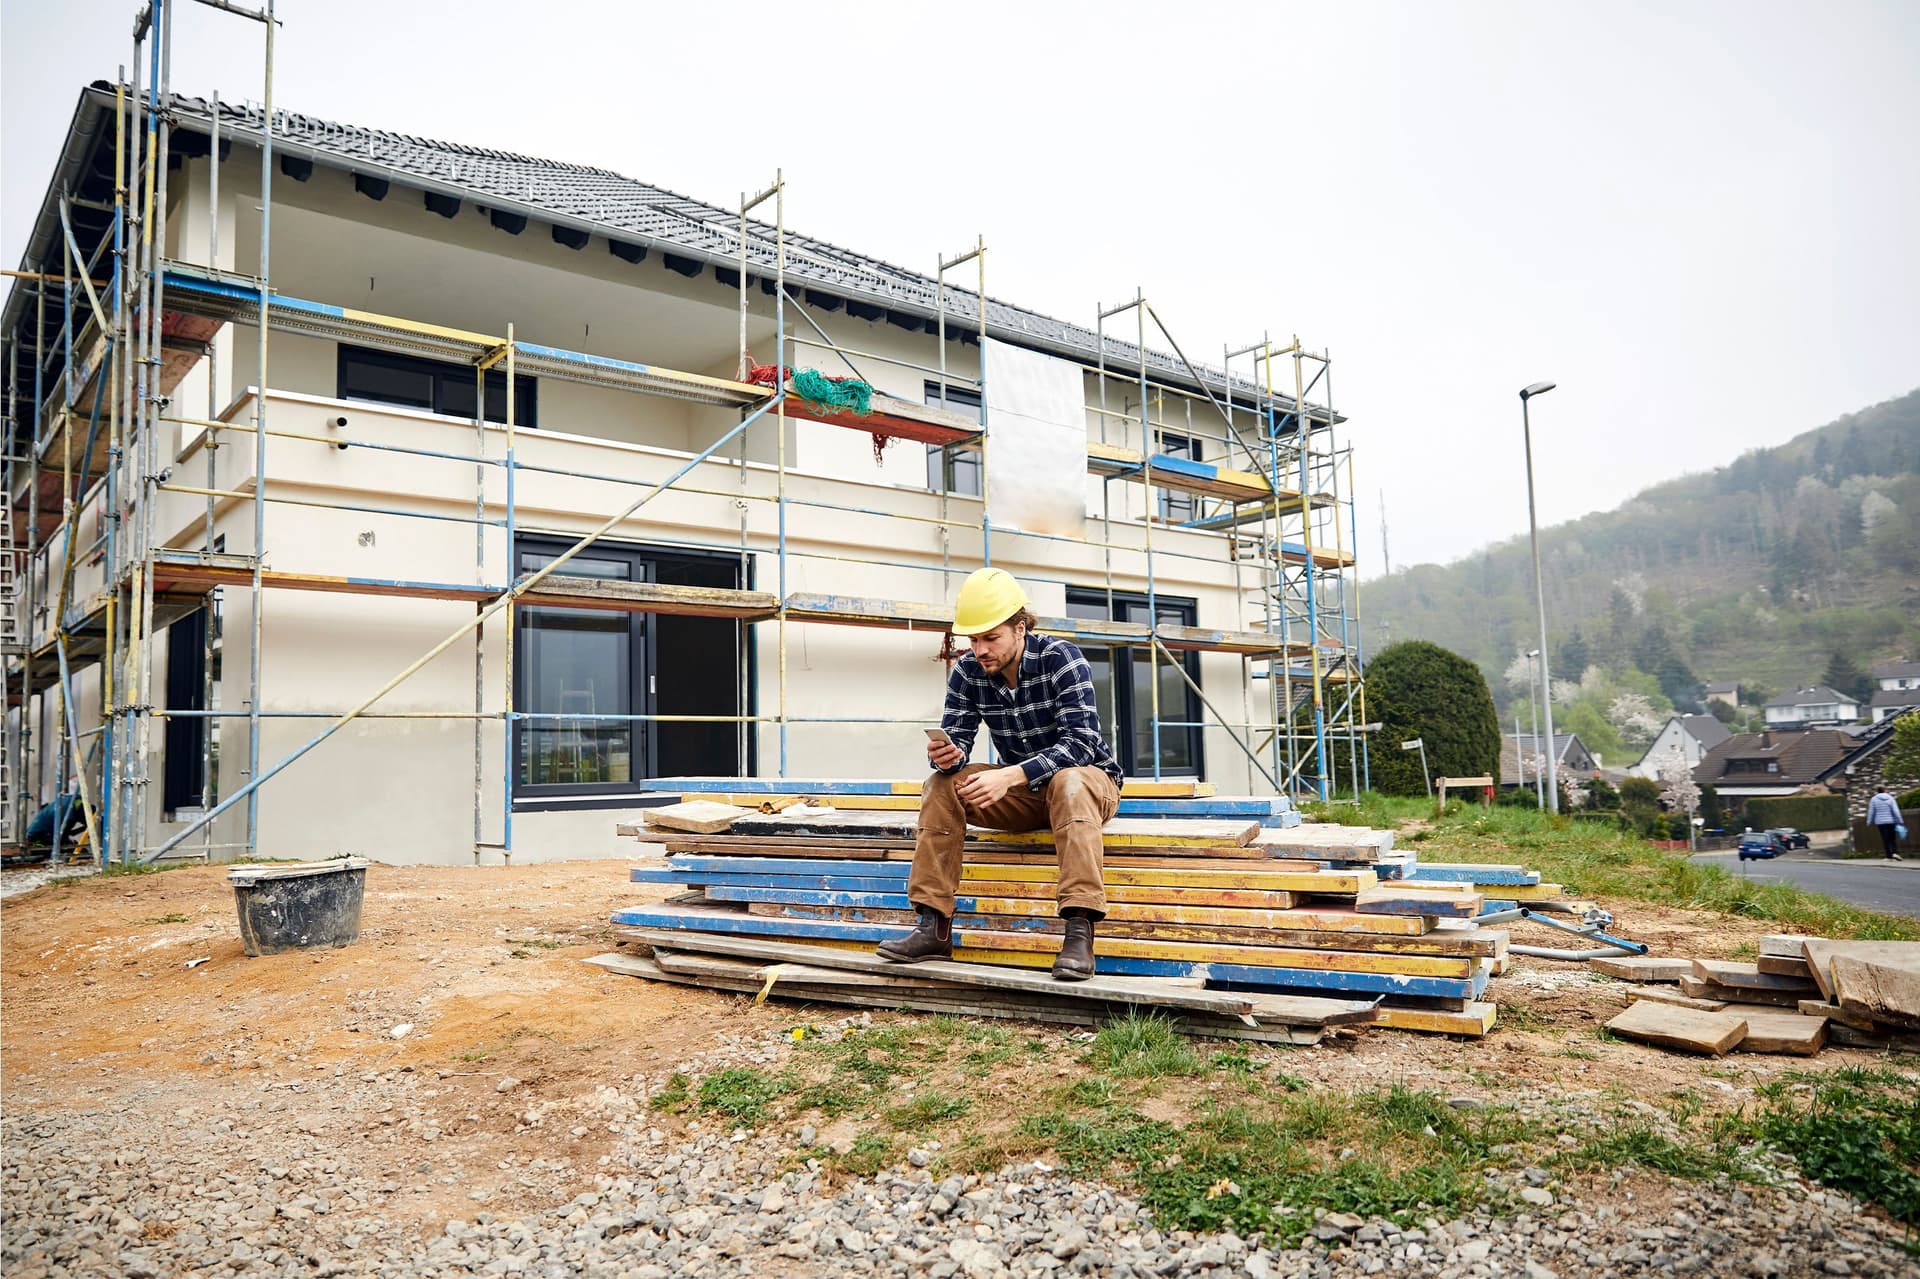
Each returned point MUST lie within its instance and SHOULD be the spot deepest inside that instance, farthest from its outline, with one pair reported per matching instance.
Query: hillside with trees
(1790, 565)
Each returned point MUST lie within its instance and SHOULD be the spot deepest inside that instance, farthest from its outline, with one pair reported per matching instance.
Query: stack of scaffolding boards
(1800, 995)
(1304, 926)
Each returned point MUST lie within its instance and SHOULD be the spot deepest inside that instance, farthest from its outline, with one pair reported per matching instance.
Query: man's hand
(944, 755)
(989, 787)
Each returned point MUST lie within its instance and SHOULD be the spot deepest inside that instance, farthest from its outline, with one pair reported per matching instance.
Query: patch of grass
(517, 953)
(540, 943)
(1649, 1148)
(1264, 1163)
(742, 1094)
(870, 1153)
(1854, 1129)
(926, 1110)
(674, 1097)
(165, 919)
(1143, 1045)
(1235, 1061)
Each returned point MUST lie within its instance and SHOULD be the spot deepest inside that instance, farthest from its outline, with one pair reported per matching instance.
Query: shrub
(1417, 689)
(1802, 812)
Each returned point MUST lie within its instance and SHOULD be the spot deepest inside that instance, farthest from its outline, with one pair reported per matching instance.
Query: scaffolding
(84, 474)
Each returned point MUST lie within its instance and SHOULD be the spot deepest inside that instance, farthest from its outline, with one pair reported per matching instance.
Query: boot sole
(1068, 974)
(910, 959)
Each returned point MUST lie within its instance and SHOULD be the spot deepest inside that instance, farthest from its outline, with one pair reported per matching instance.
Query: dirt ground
(483, 964)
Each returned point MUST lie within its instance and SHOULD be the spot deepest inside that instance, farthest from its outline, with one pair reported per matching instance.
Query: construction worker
(1036, 695)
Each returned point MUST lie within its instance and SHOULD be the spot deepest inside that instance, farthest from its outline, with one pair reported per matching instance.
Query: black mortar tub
(291, 907)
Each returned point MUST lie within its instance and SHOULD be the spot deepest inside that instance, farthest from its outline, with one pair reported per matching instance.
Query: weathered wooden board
(700, 817)
(1780, 1033)
(1820, 954)
(999, 1005)
(1698, 989)
(1468, 873)
(1474, 1021)
(1726, 972)
(1795, 967)
(1785, 945)
(1687, 1029)
(1642, 968)
(1837, 1015)
(1671, 995)
(1888, 992)
(1406, 899)
(1165, 994)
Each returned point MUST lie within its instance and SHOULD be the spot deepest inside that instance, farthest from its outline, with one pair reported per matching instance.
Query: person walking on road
(1036, 695)
(1884, 816)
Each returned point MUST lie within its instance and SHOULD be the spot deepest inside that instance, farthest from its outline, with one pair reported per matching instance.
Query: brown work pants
(1075, 803)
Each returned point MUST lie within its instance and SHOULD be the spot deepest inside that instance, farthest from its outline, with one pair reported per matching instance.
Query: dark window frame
(642, 560)
(951, 471)
(1177, 507)
(1180, 610)
(184, 737)
(448, 386)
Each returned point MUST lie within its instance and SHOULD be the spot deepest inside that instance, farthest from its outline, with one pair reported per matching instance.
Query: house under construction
(378, 495)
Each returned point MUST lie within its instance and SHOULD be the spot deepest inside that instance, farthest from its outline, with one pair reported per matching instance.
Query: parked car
(1794, 838)
(1761, 844)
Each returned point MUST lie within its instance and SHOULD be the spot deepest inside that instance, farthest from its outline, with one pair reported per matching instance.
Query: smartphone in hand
(938, 737)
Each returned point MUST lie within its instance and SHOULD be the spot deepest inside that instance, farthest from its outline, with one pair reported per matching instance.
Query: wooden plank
(1888, 992)
(1159, 994)
(1642, 968)
(1838, 1015)
(1785, 945)
(1726, 972)
(1781, 1034)
(1341, 882)
(700, 817)
(1120, 832)
(1001, 1006)
(1405, 899)
(1669, 995)
(1698, 989)
(1687, 1029)
(1820, 954)
(1475, 1020)
(1795, 967)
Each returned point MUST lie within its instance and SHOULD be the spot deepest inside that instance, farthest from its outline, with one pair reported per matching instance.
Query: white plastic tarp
(1036, 441)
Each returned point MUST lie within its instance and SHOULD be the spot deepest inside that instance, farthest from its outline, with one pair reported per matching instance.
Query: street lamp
(1533, 707)
(1533, 531)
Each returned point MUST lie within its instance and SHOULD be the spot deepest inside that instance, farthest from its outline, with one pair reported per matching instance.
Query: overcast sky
(1701, 219)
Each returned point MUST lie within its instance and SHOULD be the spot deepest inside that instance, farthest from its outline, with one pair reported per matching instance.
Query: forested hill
(1791, 565)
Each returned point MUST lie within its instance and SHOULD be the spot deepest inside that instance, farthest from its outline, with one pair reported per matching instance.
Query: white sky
(1701, 219)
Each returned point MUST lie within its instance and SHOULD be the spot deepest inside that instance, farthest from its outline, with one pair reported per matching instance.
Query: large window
(587, 679)
(184, 738)
(1123, 681)
(433, 385)
(1178, 508)
(954, 471)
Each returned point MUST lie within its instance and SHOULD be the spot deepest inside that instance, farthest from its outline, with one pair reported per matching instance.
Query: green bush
(1910, 799)
(1417, 689)
(1802, 812)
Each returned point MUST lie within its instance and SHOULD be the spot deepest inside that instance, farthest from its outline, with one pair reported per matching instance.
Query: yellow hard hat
(988, 597)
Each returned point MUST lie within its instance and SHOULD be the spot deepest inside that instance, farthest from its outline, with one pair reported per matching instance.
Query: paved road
(1874, 884)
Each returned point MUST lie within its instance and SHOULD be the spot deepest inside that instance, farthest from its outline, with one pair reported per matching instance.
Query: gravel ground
(271, 1177)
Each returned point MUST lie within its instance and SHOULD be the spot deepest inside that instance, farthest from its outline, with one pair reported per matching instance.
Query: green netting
(832, 394)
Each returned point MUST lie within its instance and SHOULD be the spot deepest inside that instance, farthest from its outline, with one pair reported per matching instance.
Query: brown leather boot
(1076, 953)
(931, 939)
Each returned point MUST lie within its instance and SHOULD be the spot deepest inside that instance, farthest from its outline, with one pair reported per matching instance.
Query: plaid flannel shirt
(1048, 722)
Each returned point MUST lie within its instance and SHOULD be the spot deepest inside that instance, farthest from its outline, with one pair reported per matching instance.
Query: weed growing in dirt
(926, 1110)
(1143, 1045)
(673, 1097)
(1649, 1148)
(165, 919)
(741, 1094)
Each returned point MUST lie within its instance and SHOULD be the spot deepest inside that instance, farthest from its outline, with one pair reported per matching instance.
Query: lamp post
(1533, 531)
(1533, 707)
